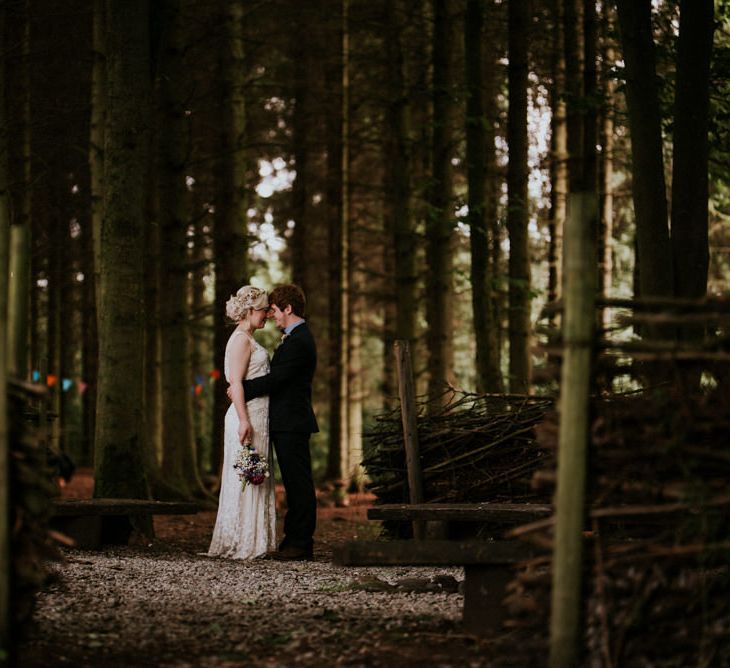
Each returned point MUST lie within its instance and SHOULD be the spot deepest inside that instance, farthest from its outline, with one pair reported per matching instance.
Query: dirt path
(164, 604)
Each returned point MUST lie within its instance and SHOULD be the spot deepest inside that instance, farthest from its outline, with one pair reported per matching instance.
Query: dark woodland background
(407, 163)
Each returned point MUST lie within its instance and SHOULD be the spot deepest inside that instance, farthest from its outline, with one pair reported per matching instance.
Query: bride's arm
(240, 355)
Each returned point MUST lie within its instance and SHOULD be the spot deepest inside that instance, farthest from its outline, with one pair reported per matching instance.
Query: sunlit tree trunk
(605, 164)
(230, 248)
(649, 189)
(518, 211)
(179, 462)
(691, 125)
(118, 464)
(439, 219)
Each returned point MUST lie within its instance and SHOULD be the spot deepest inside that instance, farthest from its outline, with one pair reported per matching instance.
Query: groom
(291, 418)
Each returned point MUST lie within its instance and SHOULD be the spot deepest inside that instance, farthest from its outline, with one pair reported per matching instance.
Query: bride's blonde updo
(245, 300)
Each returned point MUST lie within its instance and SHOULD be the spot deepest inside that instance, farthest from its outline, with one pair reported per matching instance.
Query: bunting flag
(52, 380)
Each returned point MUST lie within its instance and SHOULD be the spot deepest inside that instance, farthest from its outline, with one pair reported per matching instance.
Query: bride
(245, 527)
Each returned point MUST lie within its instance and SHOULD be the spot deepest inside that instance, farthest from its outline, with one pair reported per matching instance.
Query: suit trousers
(295, 464)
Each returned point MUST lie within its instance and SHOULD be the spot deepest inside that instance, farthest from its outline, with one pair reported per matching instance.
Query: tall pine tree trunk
(338, 464)
(19, 262)
(302, 139)
(400, 317)
(558, 156)
(691, 125)
(649, 189)
(439, 220)
(605, 163)
(96, 172)
(574, 91)
(518, 212)
(5, 510)
(118, 465)
(179, 462)
(590, 97)
(488, 375)
(230, 246)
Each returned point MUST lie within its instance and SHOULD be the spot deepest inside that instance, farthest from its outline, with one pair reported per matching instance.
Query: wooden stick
(407, 393)
(580, 294)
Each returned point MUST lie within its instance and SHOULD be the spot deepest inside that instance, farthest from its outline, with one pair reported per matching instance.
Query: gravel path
(166, 605)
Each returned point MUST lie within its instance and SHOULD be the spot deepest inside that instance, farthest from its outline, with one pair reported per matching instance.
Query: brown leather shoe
(290, 553)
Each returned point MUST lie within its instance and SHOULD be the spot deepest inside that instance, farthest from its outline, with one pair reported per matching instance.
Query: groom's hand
(229, 394)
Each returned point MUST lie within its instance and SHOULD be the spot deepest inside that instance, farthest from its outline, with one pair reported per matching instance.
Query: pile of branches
(32, 488)
(657, 532)
(476, 447)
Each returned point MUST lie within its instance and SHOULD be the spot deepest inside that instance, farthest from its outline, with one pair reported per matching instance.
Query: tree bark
(118, 465)
(558, 156)
(179, 461)
(590, 101)
(691, 124)
(518, 210)
(93, 238)
(605, 164)
(6, 634)
(400, 255)
(649, 190)
(477, 138)
(440, 220)
(574, 91)
(230, 246)
(338, 464)
(302, 139)
(20, 237)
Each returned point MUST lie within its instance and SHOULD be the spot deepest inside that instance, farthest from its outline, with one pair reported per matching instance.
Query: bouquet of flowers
(251, 467)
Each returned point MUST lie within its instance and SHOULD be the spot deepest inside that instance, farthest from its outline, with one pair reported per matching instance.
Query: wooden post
(580, 281)
(407, 394)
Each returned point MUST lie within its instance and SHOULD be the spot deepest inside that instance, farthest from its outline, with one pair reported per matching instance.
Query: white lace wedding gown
(245, 527)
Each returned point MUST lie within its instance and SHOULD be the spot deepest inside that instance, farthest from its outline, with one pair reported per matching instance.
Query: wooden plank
(80, 507)
(502, 513)
(430, 553)
(407, 393)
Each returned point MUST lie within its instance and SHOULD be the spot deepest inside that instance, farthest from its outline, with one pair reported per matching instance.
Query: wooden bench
(440, 516)
(487, 569)
(91, 523)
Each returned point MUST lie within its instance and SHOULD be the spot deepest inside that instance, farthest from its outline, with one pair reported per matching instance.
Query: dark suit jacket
(289, 383)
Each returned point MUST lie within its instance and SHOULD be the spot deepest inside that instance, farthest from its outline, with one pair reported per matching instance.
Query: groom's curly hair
(289, 295)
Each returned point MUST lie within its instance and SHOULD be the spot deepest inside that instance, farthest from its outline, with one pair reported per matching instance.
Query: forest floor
(163, 603)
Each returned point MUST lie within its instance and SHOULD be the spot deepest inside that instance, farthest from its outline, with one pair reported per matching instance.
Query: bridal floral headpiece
(247, 298)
